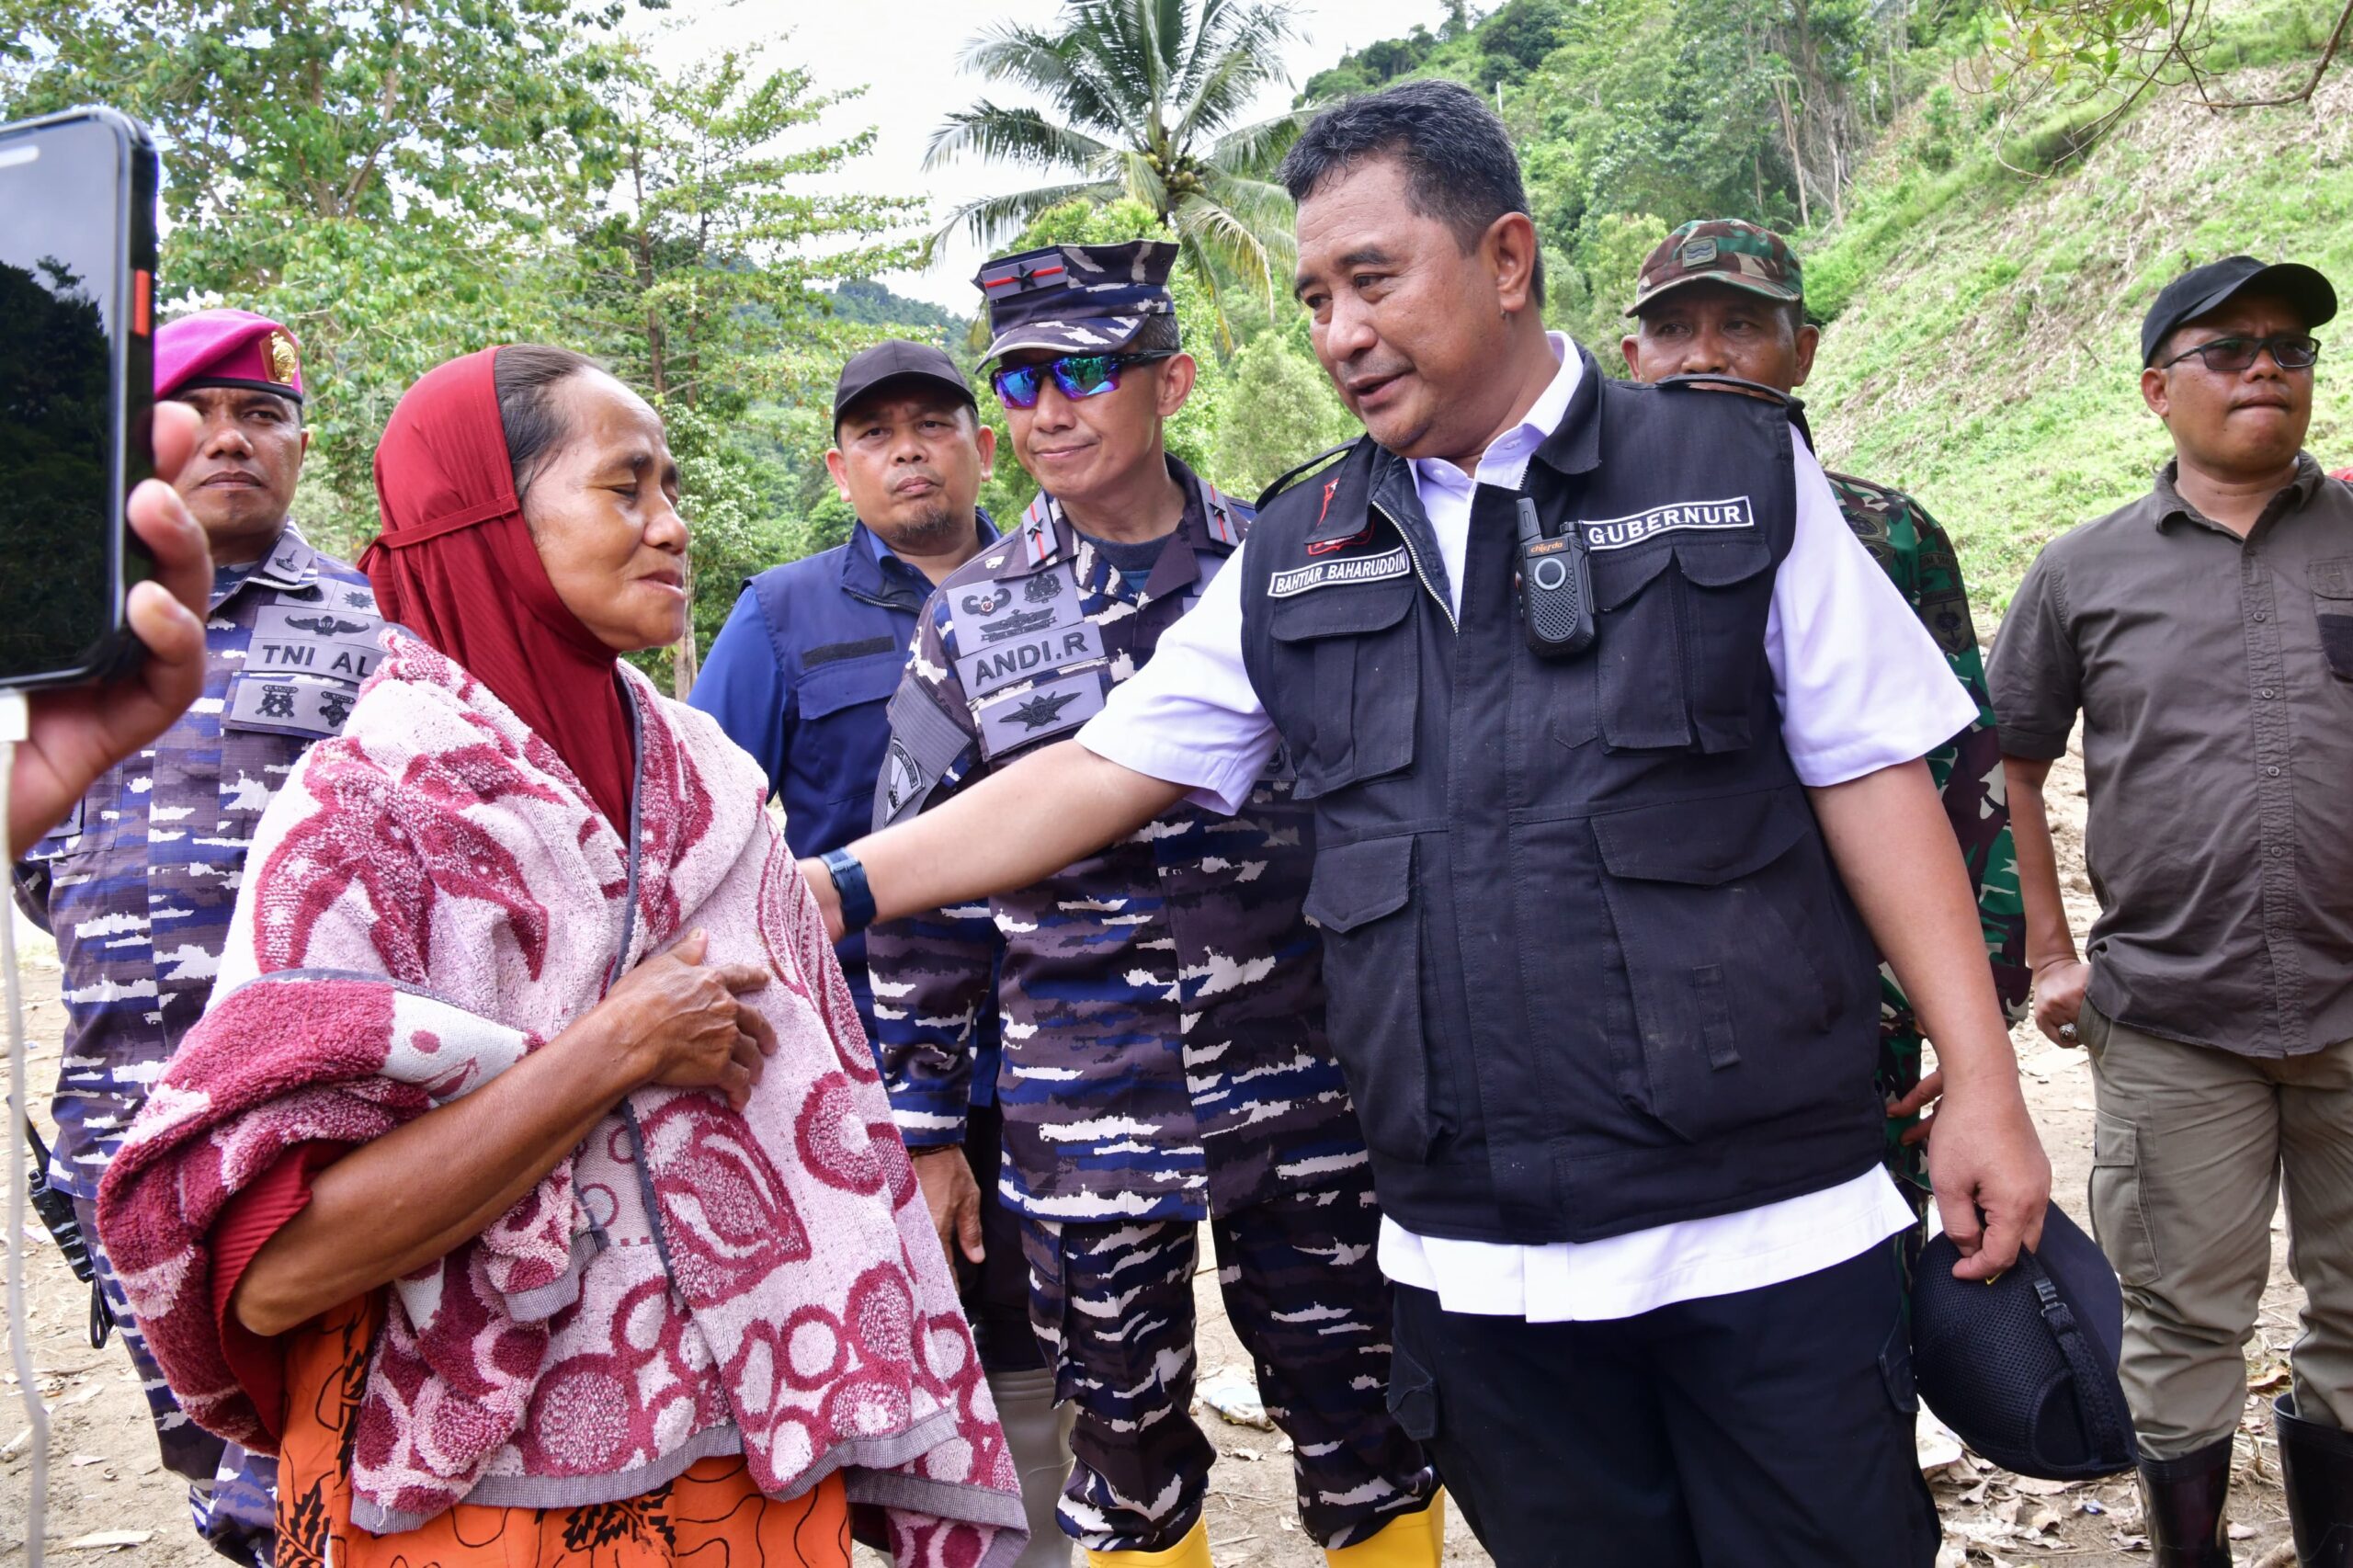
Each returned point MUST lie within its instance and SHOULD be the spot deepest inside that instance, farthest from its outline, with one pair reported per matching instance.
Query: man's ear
(306, 446)
(986, 439)
(2155, 392)
(837, 468)
(1809, 339)
(1510, 246)
(1176, 374)
(1630, 345)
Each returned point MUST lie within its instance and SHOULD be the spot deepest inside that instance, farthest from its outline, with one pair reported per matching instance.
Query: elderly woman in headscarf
(527, 1186)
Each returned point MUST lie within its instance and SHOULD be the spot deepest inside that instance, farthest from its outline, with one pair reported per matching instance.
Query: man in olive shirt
(2205, 634)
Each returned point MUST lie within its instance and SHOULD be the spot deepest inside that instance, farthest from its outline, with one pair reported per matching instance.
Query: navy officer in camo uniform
(138, 884)
(1164, 1052)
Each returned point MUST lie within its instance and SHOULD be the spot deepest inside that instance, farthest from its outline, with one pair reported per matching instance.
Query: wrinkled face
(603, 509)
(1409, 324)
(1716, 329)
(240, 484)
(1079, 448)
(2251, 422)
(909, 458)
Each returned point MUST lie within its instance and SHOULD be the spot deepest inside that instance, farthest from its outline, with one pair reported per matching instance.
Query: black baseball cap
(2207, 288)
(2023, 1367)
(897, 359)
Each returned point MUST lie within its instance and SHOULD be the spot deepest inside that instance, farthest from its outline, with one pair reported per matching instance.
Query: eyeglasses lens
(1086, 375)
(1018, 388)
(2231, 355)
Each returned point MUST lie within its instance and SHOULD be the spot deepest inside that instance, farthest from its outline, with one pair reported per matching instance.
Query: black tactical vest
(1590, 969)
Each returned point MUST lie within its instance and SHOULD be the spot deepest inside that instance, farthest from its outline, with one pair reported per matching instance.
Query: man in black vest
(1615, 737)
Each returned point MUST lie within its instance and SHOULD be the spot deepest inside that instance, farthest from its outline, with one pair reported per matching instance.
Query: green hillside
(1980, 285)
(1984, 352)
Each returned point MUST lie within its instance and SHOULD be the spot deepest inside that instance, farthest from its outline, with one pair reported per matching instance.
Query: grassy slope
(1987, 356)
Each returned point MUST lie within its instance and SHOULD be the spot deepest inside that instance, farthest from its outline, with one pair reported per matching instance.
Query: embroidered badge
(1347, 569)
(1619, 533)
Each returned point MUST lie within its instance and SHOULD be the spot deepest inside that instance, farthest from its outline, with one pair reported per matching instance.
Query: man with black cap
(1165, 1057)
(138, 884)
(801, 676)
(2204, 634)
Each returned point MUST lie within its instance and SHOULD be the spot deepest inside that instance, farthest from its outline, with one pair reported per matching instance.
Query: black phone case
(131, 348)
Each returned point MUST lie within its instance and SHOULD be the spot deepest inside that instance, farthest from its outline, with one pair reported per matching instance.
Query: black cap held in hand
(2208, 288)
(896, 359)
(2023, 1367)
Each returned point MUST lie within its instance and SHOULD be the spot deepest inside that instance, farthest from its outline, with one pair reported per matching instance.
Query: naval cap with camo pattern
(1720, 250)
(1077, 299)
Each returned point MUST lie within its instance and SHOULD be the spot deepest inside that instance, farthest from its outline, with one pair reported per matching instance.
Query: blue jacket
(802, 677)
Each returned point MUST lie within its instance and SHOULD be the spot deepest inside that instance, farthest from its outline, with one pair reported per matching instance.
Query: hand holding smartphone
(99, 561)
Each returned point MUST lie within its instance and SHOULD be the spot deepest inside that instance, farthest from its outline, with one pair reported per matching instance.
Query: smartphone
(77, 389)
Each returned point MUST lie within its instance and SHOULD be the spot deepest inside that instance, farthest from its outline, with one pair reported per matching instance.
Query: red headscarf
(455, 565)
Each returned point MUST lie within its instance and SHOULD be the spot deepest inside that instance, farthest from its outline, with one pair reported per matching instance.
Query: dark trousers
(1114, 1303)
(1768, 1428)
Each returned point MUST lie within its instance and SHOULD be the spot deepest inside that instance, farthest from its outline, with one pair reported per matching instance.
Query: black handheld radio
(1554, 581)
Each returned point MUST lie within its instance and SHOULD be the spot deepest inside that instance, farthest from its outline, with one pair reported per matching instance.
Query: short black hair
(1458, 158)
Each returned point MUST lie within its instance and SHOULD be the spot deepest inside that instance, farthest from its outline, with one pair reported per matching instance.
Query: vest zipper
(1419, 576)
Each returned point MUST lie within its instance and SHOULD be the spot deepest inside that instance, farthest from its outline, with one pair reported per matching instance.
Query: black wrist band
(849, 882)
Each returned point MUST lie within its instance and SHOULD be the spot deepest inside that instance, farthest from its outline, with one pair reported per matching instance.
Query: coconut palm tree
(1141, 99)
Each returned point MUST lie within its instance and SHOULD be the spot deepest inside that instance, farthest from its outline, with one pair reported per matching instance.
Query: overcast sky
(904, 52)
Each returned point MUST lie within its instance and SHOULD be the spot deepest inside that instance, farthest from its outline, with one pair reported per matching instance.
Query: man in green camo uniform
(1727, 298)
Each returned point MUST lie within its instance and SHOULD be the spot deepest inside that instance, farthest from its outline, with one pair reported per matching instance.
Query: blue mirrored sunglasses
(1078, 375)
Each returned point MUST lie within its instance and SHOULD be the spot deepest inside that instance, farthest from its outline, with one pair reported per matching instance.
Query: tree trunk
(1797, 152)
(684, 664)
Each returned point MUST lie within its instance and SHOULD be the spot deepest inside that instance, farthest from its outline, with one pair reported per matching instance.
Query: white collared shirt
(1861, 687)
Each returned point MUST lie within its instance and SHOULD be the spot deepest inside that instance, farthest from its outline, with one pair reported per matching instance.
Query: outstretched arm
(1896, 852)
(1013, 828)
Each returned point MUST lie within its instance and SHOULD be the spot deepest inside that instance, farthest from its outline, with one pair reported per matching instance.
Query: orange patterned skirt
(711, 1514)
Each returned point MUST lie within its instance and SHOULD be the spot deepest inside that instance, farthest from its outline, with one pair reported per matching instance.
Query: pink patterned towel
(434, 896)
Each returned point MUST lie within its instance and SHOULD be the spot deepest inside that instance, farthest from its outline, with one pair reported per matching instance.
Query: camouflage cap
(1721, 250)
(1077, 299)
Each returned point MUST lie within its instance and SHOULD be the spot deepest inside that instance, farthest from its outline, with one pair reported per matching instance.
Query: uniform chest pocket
(2332, 582)
(1682, 634)
(843, 728)
(1738, 964)
(1353, 647)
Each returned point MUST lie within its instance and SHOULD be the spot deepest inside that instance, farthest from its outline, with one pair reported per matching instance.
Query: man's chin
(927, 531)
(236, 516)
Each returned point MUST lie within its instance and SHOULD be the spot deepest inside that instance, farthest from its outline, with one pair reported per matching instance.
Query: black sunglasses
(2230, 356)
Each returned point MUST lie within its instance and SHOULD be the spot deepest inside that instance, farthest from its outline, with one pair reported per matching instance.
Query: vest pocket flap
(1355, 884)
(1618, 575)
(844, 683)
(1720, 562)
(1702, 842)
(1341, 612)
(2332, 579)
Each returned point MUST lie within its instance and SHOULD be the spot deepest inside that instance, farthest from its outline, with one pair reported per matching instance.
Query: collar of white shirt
(1504, 462)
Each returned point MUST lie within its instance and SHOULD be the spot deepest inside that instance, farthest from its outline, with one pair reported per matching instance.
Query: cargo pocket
(1413, 1393)
(2332, 582)
(1355, 646)
(2119, 1207)
(1682, 628)
(1735, 977)
(1361, 895)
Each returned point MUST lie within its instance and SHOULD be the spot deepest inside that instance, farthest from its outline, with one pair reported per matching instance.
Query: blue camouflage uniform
(1164, 1055)
(137, 887)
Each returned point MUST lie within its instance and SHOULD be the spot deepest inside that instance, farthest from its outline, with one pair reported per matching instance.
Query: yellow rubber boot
(1193, 1552)
(1409, 1540)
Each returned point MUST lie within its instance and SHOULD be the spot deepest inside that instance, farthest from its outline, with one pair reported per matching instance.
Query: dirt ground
(106, 1485)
